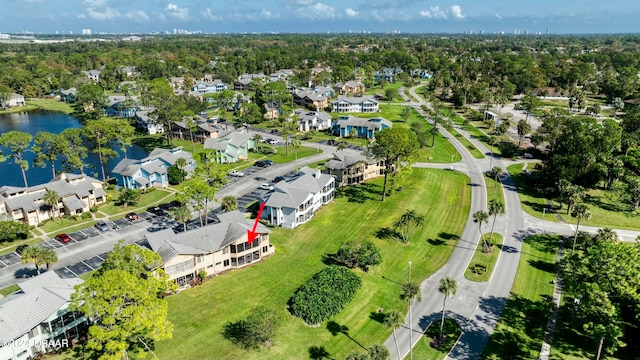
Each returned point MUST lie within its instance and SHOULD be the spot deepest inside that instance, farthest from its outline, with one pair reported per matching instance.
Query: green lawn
(474, 129)
(302, 152)
(472, 149)
(520, 331)
(153, 197)
(378, 90)
(41, 104)
(423, 349)
(67, 225)
(494, 190)
(9, 290)
(532, 202)
(487, 260)
(442, 196)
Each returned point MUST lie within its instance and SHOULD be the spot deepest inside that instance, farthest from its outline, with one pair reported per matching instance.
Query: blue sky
(220, 16)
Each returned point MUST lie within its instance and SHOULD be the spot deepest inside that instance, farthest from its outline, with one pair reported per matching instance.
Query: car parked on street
(264, 163)
(63, 238)
(102, 226)
(236, 173)
(132, 216)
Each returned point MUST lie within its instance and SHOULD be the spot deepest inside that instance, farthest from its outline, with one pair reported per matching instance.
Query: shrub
(258, 329)
(357, 255)
(12, 230)
(86, 215)
(325, 294)
(93, 209)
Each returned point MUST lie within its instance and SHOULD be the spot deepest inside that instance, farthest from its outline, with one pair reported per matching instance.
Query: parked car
(175, 204)
(102, 226)
(264, 163)
(236, 173)
(132, 216)
(63, 238)
(278, 179)
(265, 186)
(156, 210)
(21, 248)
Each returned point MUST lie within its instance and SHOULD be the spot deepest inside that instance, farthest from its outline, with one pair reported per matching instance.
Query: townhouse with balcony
(12, 100)
(314, 98)
(36, 319)
(214, 248)
(351, 88)
(351, 168)
(78, 193)
(231, 147)
(294, 202)
(364, 127)
(209, 87)
(316, 120)
(152, 170)
(363, 104)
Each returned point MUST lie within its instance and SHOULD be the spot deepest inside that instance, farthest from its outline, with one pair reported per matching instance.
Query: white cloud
(139, 16)
(318, 11)
(456, 10)
(351, 13)
(304, 2)
(177, 12)
(269, 15)
(104, 14)
(437, 13)
(425, 13)
(498, 16)
(208, 14)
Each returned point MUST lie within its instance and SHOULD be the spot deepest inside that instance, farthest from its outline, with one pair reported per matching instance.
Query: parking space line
(71, 271)
(3, 263)
(89, 266)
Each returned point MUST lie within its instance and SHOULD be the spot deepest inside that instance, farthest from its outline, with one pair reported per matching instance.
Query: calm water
(53, 122)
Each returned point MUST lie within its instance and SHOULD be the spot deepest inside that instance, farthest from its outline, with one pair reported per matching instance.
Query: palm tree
(408, 223)
(32, 253)
(581, 212)
(410, 291)
(378, 352)
(181, 163)
(257, 138)
(229, 203)
(495, 208)
(295, 142)
(394, 320)
(448, 287)
(433, 132)
(17, 142)
(51, 199)
(480, 217)
(181, 214)
(606, 234)
(49, 257)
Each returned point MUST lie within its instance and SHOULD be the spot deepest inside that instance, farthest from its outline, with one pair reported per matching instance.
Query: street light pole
(410, 321)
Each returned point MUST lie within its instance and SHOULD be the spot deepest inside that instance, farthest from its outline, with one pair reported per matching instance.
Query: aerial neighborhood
(360, 196)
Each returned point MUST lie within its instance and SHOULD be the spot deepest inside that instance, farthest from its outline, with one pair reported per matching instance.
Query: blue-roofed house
(365, 127)
(152, 170)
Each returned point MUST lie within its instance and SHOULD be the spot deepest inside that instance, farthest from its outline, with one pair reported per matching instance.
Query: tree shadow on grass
(359, 193)
(543, 266)
(386, 233)
(335, 329)
(318, 353)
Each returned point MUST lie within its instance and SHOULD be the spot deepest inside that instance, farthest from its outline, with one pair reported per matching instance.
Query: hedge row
(325, 294)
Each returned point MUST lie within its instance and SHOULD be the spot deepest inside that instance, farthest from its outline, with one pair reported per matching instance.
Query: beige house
(214, 248)
(350, 168)
(352, 88)
(78, 193)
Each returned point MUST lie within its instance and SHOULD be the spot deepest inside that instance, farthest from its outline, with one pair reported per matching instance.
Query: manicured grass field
(424, 351)
(520, 331)
(200, 314)
(41, 104)
(378, 90)
(9, 290)
(54, 227)
(153, 197)
(531, 202)
(488, 260)
(472, 149)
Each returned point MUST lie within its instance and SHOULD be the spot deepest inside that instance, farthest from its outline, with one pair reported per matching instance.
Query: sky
(310, 16)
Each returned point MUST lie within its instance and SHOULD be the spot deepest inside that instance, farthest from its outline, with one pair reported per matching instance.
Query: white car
(265, 186)
(236, 173)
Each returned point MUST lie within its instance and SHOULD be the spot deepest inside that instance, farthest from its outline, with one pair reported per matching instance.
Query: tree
(394, 146)
(123, 133)
(353, 133)
(48, 147)
(229, 203)
(74, 151)
(139, 317)
(433, 132)
(257, 138)
(197, 192)
(11, 230)
(580, 212)
(408, 223)
(530, 103)
(394, 320)
(389, 93)
(379, 352)
(99, 133)
(481, 217)
(89, 103)
(32, 254)
(406, 112)
(181, 163)
(257, 330)
(49, 257)
(17, 142)
(128, 197)
(523, 129)
(354, 255)
(495, 174)
(357, 355)
(495, 208)
(181, 214)
(575, 195)
(448, 287)
(51, 198)
(410, 291)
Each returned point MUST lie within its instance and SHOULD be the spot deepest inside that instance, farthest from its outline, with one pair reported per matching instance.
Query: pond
(54, 122)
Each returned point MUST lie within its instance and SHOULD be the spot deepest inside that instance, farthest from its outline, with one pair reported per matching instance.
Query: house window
(240, 247)
(233, 249)
(218, 263)
(264, 249)
(210, 266)
(200, 258)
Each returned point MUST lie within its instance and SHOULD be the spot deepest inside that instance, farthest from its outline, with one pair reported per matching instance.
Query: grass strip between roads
(485, 260)
(199, 314)
(424, 351)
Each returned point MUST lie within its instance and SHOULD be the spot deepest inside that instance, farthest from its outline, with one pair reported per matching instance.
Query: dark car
(132, 216)
(175, 204)
(278, 179)
(21, 248)
(63, 238)
(156, 210)
(264, 163)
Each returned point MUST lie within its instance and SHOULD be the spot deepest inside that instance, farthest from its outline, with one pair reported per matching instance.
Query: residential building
(152, 170)
(78, 193)
(232, 147)
(148, 122)
(215, 248)
(490, 115)
(244, 81)
(37, 319)
(176, 82)
(281, 75)
(363, 104)
(350, 168)
(204, 129)
(314, 98)
(351, 88)
(68, 95)
(421, 74)
(13, 100)
(130, 71)
(126, 86)
(387, 74)
(271, 111)
(364, 127)
(316, 120)
(209, 87)
(93, 75)
(122, 106)
(242, 85)
(294, 202)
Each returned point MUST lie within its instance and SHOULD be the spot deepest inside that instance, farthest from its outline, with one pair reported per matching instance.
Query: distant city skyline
(309, 16)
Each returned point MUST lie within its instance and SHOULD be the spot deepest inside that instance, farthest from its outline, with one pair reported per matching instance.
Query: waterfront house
(363, 104)
(294, 202)
(12, 101)
(220, 246)
(68, 95)
(36, 319)
(78, 193)
(231, 147)
(151, 171)
(364, 127)
(350, 168)
(148, 122)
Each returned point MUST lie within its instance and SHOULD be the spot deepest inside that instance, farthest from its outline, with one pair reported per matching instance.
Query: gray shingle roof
(293, 194)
